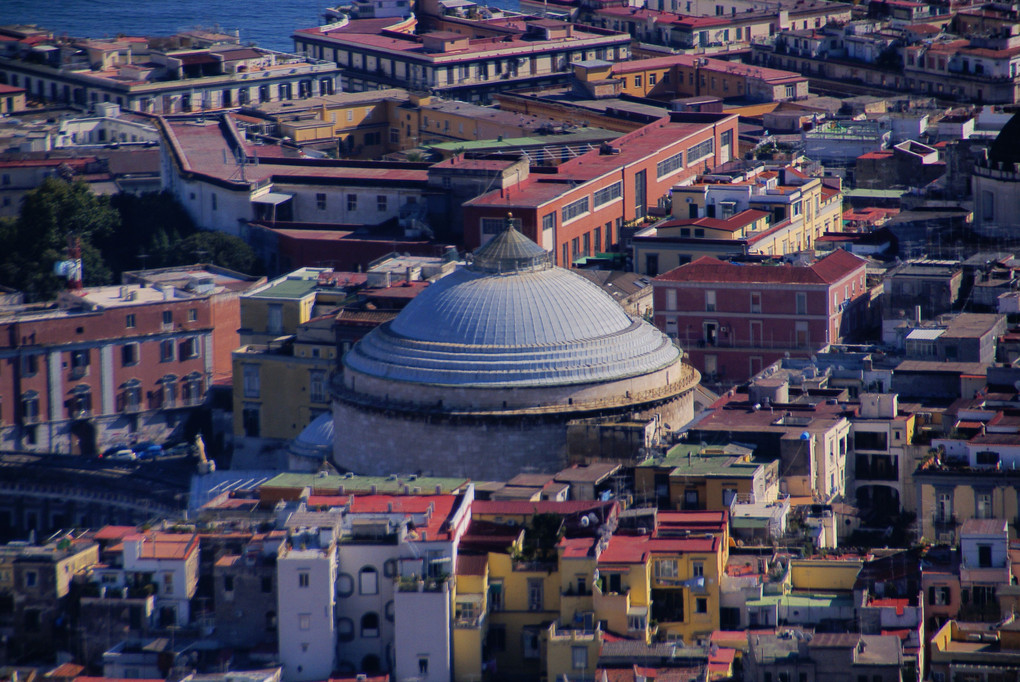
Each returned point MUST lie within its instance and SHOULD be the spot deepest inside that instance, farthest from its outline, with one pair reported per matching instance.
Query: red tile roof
(472, 565)
(516, 507)
(828, 270)
(634, 549)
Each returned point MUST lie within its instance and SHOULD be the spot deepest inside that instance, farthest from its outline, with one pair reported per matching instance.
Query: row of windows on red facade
(171, 392)
(79, 361)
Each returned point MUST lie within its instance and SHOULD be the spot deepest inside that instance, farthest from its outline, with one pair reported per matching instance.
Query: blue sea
(267, 23)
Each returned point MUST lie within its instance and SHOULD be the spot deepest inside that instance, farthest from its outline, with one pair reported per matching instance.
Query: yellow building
(695, 477)
(824, 575)
(367, 125)
(663, 580)
(756, 212)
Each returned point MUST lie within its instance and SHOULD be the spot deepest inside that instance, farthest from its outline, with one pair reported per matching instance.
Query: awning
(272, 198)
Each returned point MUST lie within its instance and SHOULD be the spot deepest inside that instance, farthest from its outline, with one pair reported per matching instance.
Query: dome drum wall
(377, 443)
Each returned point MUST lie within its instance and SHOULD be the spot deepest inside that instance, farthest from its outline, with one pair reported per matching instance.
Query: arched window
(345, 629)
(368, 580)
(344, 585)
(370, 625)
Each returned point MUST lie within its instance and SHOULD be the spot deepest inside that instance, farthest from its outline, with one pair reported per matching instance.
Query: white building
(394, 545)
(225, 181)
(166, 561)
(307, 579)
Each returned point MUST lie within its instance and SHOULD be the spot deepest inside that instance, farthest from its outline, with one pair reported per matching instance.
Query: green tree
(52, 216)
(216, 248)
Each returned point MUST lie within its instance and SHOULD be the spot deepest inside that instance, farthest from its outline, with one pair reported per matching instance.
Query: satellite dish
(585, 522)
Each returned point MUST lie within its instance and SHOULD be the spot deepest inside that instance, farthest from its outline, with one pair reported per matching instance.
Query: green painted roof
(812, 600)
(889, 193)
(290, 288)
(692, 460)
(383, 484)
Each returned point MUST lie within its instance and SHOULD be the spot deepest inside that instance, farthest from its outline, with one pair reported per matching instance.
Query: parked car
(119, 453)
(148, 450)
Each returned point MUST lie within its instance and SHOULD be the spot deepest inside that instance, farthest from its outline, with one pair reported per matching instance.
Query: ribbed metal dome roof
(511, 318)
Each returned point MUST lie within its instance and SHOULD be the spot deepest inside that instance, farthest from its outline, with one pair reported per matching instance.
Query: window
(637, 81)
(549, 221)
(370, 625)
(496, 595)
(166, 351)
(607, 194)
(466, 611)
(128, 354)
(30, 407)
(666, 569)
(304, 621)
(317, 387)
(320, 201)
(79, 363)
(579, 657)
(755, 301)
(575, 209)
(497, 638)
(344, 585)
(352, 202)
(189, 348)
(168, 583)
(701, 605)
(700, 151)
(636, 622)
(381, 202)
(801, 303)
(983, 505)
(31, 578)
(168, 317)
(423, 664)
(129, 321)
(228, 583)
(302, 579)
(213, 197)
(368, 580)
(710, 301)
(535, 594)
(492, 225)
(267, 584)
(345, 629)
(251, 381)
(670, 165)
(192, 314)
(698, 569)
(651, 79)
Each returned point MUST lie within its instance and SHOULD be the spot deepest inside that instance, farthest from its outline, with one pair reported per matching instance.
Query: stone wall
(375, 442)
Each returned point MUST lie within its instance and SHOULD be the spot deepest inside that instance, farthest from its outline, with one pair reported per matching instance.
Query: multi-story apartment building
(369, 124)
(188, 72)
(811, 440)
(512, 53)
(883, 461)
(156, 563)
(667, 572)
(245, 592)
(306, 579)
(224, 181)
(111, 364)
(579, 209)
(760, 212)
(736, 319)
(38, 587)
(685, 75)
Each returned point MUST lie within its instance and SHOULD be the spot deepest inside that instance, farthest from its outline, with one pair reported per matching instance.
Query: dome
(1006, 147)
(316, 440)
(511, 318)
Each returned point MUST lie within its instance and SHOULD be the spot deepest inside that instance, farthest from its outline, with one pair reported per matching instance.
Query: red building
(577, 208)
(735, 319)
(116, 364)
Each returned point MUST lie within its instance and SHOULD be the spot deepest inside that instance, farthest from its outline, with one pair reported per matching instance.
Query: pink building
(735, 319)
